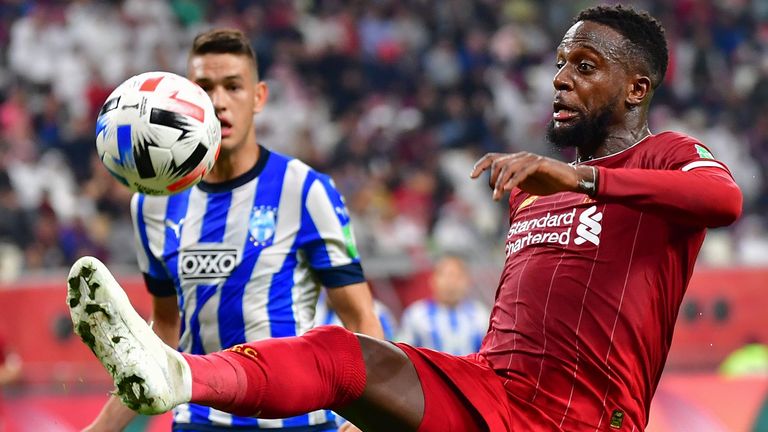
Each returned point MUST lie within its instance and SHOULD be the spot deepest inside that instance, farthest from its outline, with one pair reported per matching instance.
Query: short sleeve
(326, 234)
(148, 234)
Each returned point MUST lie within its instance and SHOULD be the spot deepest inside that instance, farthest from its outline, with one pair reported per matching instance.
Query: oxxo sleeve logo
(589, 227)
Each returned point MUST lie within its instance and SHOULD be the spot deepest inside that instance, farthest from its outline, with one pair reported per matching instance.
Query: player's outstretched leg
(150, 376)
(328, 367)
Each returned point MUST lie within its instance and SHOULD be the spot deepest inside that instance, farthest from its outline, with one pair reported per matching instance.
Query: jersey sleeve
(681, 152)
(326, 235)
(159, 283)
(680, 180)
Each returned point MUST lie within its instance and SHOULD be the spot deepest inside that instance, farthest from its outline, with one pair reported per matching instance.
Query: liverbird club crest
(262, 225)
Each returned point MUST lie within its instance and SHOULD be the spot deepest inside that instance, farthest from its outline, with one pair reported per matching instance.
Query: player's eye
(559, 64)
(233, 87)
(585, 67)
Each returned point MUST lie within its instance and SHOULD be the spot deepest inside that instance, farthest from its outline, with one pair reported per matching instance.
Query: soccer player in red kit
(598, 256)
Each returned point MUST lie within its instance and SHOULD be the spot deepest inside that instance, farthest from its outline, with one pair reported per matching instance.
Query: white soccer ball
(157, 133)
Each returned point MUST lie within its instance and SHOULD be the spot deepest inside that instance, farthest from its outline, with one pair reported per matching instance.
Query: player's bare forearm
(704, 197)
(10, 371)
(532, 173)
(114, 417)
(166, 320)
(5, 377)
(354, 306)
(369, 325)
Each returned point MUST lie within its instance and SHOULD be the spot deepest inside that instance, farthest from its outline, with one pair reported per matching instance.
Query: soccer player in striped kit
(598, 256)
(242, 256)
(451, 320)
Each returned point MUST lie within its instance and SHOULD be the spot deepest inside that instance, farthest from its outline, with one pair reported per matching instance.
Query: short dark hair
(643, 32)
(223, 41)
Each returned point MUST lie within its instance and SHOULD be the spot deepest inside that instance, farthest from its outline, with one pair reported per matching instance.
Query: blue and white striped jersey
(457, 330)
(246, 259)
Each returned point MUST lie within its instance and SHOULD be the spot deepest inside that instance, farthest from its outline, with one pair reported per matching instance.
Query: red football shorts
(461, 394)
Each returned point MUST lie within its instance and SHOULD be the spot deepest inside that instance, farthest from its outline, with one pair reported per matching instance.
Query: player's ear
(638, 89)
(260, 96)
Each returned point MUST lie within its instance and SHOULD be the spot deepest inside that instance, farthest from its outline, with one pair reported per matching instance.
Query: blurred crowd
(395, 99)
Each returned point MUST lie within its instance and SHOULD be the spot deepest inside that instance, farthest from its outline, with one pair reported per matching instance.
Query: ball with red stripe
(157, 133)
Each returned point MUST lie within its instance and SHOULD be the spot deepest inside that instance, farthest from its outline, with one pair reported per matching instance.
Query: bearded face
(584, 132)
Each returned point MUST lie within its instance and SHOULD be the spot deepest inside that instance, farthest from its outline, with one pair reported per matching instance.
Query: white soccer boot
(150, 376)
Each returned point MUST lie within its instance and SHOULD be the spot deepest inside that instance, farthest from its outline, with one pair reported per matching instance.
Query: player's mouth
(226, 128)
(563, 113)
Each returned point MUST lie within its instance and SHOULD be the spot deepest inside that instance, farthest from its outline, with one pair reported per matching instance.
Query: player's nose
(218, 97)
(562, 80)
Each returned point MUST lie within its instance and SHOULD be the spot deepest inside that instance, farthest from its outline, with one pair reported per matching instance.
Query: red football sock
(281, 377)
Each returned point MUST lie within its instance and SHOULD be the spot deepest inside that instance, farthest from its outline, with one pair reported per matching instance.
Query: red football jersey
(591, 287)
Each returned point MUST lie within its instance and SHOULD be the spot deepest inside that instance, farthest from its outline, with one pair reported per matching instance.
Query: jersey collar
(240, 180)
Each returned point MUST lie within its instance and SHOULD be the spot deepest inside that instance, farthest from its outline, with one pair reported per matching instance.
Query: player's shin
(282, 377)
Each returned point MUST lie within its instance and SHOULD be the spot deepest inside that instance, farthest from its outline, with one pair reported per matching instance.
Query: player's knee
(336, 343)
(330, 335)
(339, 361)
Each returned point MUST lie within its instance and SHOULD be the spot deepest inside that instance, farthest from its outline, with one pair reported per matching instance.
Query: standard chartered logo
(547, 231)
(589, 228)
(555, 228)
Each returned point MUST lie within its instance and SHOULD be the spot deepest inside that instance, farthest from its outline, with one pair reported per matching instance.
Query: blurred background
(395, 99)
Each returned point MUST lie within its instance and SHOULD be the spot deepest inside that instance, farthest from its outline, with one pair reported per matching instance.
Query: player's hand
(349, 427)
(530, 172)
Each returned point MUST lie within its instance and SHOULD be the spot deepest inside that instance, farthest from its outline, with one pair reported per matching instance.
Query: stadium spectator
(15, 222)
(351, 60)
